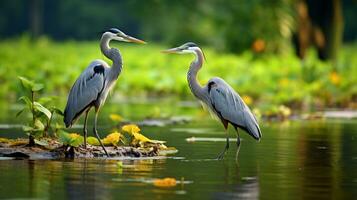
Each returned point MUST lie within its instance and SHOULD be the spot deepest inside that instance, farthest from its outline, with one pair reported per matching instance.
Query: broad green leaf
(37, 87)
(39, 126)
(41, 142)
(56, 110)
(26, 83)
(44, 100)
(59, 126)
(71, 139)
(42, 109)
(21, 111)
(93, 141)
(64, 137)
(76, 139)
(27, 129)
(27, 101)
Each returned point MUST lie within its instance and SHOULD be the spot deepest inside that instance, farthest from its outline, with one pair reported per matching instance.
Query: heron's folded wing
(84, 92)
(231, 107)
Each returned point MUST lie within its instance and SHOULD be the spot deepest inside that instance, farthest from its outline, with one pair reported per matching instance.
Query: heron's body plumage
(95, 82)
(219, 97)
(87, 91)
(229, 106)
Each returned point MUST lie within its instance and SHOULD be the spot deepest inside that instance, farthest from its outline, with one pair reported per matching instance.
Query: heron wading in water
(93, 85)
(219, 98)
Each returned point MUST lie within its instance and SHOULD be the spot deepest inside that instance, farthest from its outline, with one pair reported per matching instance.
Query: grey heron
(219, 97)
(94, 83)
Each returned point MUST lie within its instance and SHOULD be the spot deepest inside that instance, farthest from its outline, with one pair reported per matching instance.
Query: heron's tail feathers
(254, 130)
(67, 120)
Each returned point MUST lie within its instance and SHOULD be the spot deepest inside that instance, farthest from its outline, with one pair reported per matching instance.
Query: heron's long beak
(132, 39)
(173, 50)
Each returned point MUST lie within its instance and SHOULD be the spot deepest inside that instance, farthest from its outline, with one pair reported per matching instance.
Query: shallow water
(294, 160)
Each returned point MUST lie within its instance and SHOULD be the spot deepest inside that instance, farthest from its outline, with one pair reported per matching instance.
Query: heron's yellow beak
(132, 39)
(173, 50)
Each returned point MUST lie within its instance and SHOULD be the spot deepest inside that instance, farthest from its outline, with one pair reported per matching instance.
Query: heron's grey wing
(84, 92)
(228, 105)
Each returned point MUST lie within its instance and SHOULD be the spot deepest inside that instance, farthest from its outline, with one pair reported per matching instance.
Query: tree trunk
(319, 24)
(36, 11)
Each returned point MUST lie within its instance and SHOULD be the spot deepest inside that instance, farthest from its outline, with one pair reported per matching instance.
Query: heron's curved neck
(195, 66)
(113, 54)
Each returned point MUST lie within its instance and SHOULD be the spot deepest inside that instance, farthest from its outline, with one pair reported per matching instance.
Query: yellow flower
(247, 99)
(112, 139)
(131, 128)
(74, 136)
(116, 117)
(141, 138)
(165, 182)
(335, 78)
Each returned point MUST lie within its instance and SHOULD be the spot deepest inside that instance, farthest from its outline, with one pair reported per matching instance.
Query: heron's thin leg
(238, 145)
(221, 155)
(85, 132)
(96, 133)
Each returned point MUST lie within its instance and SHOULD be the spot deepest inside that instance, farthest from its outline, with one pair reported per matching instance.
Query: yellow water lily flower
(165, 182)
(112, 139)
(74, 135)
(131, 128)
(140, 137)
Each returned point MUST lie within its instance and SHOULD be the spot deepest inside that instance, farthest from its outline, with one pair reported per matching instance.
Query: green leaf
(44, 100)
(73, 140)
(37, 87)
(42, 109)
(41, 142)
(39, 126)
(56, 110)
(26, 83)
(64, 137)
(27, 129)
(21, 111)
(59, 126)
(27, 101)
(93, 141)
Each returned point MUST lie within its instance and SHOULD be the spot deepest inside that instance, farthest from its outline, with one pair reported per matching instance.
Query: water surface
(294, 160)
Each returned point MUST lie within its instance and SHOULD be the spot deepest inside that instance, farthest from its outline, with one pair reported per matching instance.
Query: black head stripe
(191, 44)
(114, 30)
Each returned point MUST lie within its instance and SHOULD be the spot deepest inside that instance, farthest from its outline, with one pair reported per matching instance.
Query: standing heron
(219, 97)
(93, 85)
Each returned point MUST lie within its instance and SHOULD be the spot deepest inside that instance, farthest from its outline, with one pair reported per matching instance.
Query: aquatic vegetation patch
(69, 145)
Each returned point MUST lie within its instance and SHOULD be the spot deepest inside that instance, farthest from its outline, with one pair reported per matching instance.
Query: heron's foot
(106, 153)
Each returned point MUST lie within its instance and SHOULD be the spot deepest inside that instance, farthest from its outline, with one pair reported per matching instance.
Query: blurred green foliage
(268, 79)
(230, 25)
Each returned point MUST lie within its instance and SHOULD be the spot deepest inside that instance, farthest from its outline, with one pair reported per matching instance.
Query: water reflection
(247, 189)
(319, 150)
(306, 160)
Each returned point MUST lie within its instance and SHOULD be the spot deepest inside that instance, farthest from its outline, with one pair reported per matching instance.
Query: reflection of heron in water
(248, 189)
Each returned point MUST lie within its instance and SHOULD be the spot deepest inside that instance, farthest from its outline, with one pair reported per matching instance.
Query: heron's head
(116, 34)
(188, 47)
